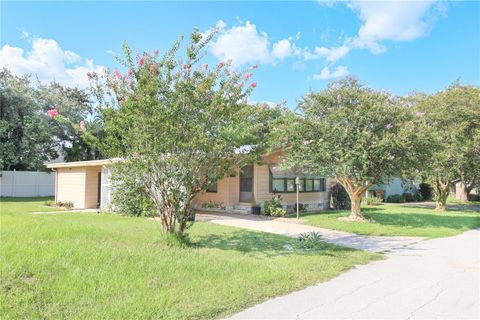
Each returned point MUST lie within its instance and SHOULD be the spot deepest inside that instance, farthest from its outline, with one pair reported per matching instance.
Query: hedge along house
(87, 185)
(83, 183)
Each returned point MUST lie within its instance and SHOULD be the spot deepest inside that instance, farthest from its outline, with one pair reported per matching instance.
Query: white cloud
(393, 20)
(382, 21)
(244, 44)
(285, 48)
(330, 54)
(48, 61)
(325, 74)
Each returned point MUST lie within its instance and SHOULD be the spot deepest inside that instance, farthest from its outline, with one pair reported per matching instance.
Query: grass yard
(87, 265)
(399, 220)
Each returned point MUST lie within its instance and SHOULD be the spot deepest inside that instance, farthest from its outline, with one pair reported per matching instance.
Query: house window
(319, 185)
(308, 185)
(283, 181)
(291, 185)
(278, 185)
(212, 188)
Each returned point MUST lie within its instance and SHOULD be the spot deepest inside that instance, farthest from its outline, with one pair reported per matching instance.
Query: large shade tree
(452, 120)
(179, 125)
(355, 134)
(28, 137)
(25, 131)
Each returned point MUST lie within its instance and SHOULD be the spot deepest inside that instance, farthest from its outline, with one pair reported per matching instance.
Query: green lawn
(452, 200)
(399, 220)
(87, 265)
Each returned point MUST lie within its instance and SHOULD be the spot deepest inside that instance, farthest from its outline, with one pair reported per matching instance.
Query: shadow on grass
(25, 199)
(266, 244)
(455, 206)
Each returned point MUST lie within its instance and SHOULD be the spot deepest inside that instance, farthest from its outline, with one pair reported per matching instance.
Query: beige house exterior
(254, 185)
(86, 185)
(79, 182)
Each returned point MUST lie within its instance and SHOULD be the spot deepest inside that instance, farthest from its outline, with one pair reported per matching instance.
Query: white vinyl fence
(27, 184)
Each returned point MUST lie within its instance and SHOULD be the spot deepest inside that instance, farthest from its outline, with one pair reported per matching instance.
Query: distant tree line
(29, 137)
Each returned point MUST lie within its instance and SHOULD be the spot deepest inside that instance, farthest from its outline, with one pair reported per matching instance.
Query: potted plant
(255, 207)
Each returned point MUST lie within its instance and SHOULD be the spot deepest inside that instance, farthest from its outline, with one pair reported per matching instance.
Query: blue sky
(299, 46)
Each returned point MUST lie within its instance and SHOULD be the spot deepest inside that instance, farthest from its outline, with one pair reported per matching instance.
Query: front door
(246, 184)
(99, 190)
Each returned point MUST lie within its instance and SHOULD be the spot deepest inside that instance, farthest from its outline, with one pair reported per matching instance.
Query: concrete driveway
(433, 279)
(288, 227)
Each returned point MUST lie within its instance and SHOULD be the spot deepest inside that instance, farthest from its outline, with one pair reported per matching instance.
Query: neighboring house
(86, 184)
(396, 186)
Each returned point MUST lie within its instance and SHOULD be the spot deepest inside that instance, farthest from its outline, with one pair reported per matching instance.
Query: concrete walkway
(433, 279)
(292, 229)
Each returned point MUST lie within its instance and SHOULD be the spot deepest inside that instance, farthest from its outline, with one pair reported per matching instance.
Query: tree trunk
(355, 191)
(356, 213)
(441, 190)
(461, 191)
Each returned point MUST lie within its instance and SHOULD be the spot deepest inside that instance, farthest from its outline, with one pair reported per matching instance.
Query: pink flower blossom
(253, 84)
(419, 114)
(247, 76)
(156, 52)
(89, 75)
(221, 64)
(136, 155)
(53, 113)
(206, 66)
(82, 125)
(129, 72)
(185, 66)
(255, 66)
(117, 74)
(389, 126)
(141, 61)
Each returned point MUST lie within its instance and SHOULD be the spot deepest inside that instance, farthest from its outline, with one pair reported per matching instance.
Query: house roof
(90, 163)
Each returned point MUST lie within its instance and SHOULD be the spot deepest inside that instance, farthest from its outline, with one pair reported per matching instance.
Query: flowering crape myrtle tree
(178, 124)
(353, 133)
(452, 120)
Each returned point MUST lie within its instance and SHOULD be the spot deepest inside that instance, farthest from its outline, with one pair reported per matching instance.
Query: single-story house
(87, 185)
(83, 183)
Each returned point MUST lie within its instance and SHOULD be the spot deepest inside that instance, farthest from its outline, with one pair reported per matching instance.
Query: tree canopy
(28, 137)
(452, 121)
(356, 134)
(179, 124)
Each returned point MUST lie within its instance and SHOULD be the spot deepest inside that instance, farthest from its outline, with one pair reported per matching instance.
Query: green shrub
(372, 201)
(129, 195)
(339, 199)
(396, 198)
(408, 197)
(301, 207)
(208, 205)
(310, 240)
(473, 197)
(49, 203)
(417, 197)
(278, 212)
(425, 191)
(68, 205)
(270, 207)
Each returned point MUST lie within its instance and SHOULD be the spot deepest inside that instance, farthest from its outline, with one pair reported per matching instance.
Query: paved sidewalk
(433, 279)
(293, 229)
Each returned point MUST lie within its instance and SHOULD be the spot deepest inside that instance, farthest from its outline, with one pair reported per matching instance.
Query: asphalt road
(433, 279)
